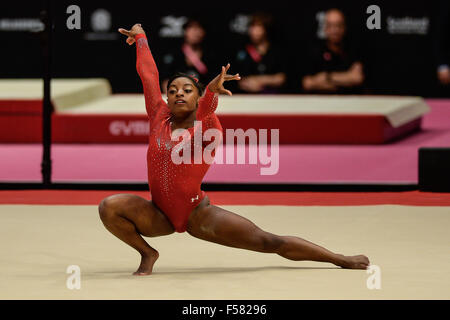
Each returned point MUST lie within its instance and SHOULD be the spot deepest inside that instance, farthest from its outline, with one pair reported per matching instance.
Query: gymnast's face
(182, 96)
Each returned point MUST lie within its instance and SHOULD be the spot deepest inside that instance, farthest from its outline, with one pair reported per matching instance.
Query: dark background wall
(396, 63)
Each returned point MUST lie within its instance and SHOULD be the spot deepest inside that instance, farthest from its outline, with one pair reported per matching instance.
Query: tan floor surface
(409, 244)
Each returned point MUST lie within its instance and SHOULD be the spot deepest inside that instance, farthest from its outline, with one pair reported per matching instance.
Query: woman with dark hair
(192, 57)
(178, 203)
(260, 62)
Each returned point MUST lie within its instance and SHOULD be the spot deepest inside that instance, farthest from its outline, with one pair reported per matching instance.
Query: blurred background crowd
(318, 47)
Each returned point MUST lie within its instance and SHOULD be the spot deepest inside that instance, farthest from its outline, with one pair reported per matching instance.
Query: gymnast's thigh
(148, 219)
(215, 224)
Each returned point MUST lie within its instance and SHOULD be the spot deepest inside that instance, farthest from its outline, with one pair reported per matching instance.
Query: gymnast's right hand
(135, 30)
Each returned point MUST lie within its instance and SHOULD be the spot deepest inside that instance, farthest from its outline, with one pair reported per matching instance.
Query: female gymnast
(178, 203)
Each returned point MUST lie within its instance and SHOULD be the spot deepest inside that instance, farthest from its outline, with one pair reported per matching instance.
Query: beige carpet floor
(409, 244)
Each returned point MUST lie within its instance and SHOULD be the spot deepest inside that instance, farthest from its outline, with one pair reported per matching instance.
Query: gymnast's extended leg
(212, 223)
(129, 216)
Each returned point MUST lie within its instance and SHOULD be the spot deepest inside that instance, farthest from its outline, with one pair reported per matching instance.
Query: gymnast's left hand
(216, 85)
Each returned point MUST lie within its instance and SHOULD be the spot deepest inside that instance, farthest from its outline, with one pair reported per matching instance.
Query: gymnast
(178, 204)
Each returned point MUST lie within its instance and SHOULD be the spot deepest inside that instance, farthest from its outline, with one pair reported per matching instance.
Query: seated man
(333, 67)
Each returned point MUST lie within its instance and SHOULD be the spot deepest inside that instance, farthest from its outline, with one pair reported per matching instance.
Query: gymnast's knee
(107, 208)
(271, 242)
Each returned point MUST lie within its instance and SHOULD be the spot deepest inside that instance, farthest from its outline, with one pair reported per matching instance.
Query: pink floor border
(395, 162)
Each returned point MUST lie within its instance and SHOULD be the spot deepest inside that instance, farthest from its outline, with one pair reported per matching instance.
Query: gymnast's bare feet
(147, 262)
(354, 262)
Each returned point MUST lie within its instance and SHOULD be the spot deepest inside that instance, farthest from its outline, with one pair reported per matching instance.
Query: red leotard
(175, 188)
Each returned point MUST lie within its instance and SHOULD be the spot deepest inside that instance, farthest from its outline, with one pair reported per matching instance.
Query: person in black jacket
(260, 63)
(193, 57)
(333, 66)
(442, 44)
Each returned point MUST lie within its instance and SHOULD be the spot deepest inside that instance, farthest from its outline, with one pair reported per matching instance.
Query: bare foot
(354, 262)
(147, 262)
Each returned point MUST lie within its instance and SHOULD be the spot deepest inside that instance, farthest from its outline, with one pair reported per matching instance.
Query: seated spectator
(193, 58)
(444, 74)
(260, 63)
(442, 45)
(332, 66)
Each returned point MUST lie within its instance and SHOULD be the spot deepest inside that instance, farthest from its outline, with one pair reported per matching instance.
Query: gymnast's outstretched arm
(208, 103)
(146, 68)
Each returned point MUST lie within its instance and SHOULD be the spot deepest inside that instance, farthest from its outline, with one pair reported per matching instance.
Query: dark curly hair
(200, 87)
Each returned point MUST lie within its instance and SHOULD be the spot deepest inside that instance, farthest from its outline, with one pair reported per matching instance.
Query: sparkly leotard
(175, 188)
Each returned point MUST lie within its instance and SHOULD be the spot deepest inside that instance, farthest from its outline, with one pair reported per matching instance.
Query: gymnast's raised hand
(216, 85)
(135, 30)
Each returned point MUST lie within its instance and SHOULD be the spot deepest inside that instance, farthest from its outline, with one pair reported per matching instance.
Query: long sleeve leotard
(175, 188)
